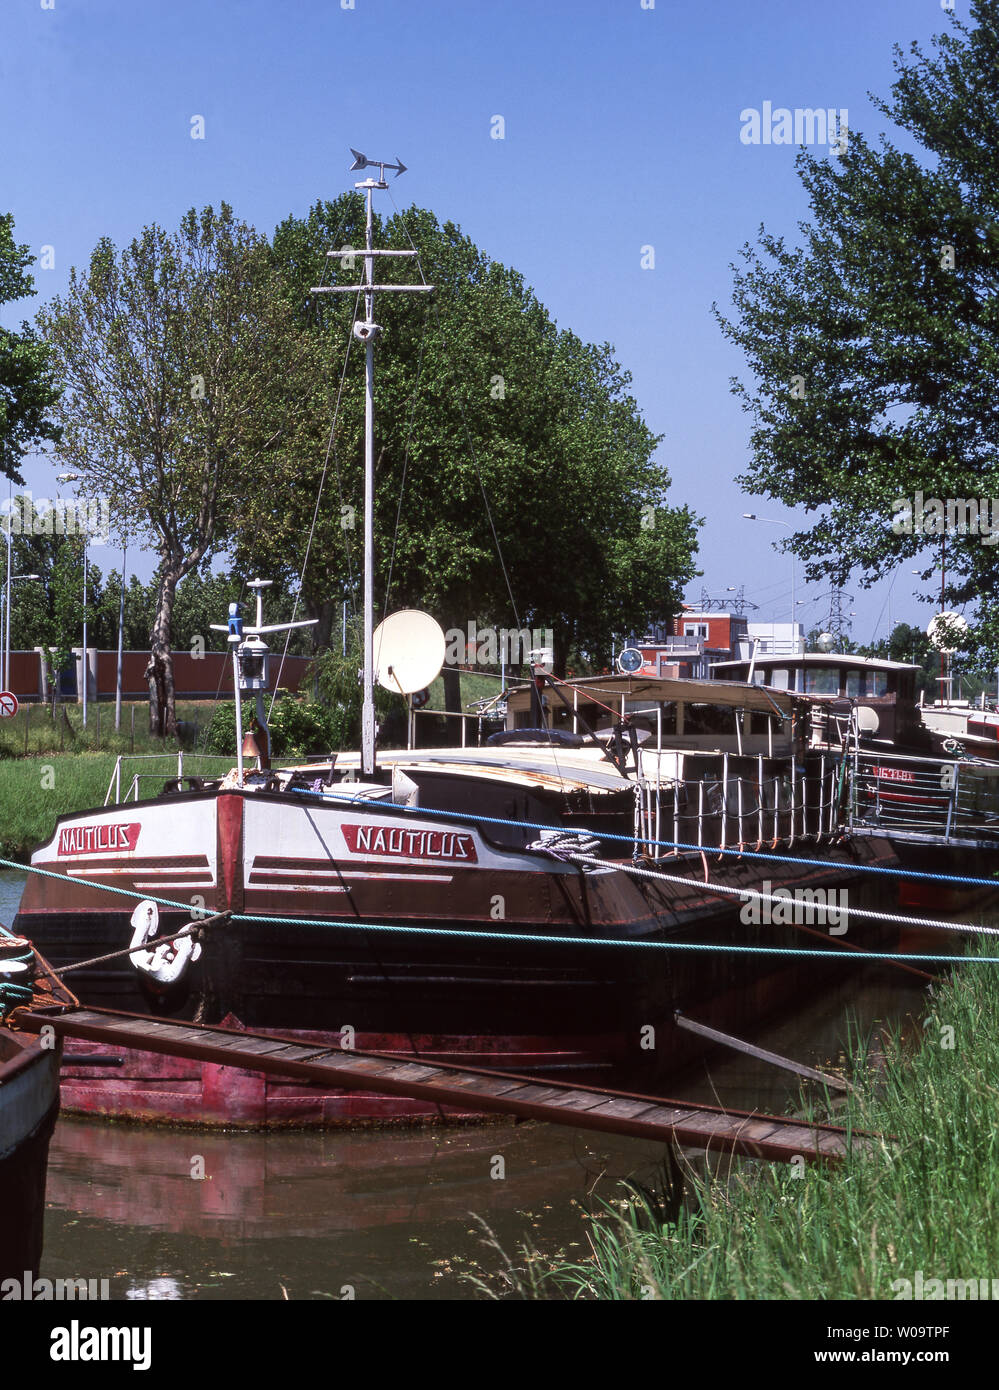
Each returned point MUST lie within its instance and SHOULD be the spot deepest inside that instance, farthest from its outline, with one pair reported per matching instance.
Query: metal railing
(952, 801)
(771, 804)
(113, 793)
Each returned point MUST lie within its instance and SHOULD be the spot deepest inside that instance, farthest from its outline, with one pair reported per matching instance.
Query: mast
(366, 331)
(370, 331)
(251, 668)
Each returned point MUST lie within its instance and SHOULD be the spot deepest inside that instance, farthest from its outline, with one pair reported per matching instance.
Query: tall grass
(927, 1200)
(36, 728)
(35, 791)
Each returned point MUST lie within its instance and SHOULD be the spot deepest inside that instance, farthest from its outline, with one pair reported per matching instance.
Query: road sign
(8, 704)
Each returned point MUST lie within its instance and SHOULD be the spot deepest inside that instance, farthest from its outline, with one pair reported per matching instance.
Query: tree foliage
(875, 342)
(167, 351)
(489, 419)
(27, 385)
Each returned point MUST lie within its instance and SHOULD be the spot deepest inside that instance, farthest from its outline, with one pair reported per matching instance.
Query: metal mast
(366, 331)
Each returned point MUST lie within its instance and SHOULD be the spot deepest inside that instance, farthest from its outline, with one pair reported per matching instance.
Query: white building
(772, 639)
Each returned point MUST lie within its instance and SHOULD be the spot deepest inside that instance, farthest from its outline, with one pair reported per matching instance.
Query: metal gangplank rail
(751, 1134)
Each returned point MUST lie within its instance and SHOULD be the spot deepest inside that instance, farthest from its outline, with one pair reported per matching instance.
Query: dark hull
(29, 1104)
(596, 1012)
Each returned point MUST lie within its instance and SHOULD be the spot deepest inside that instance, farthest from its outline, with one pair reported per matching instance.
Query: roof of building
(872, 663)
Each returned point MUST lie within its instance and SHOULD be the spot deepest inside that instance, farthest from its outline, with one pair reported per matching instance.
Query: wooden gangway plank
(749, 1133)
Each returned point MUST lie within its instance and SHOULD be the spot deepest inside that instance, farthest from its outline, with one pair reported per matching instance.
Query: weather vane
(362, 162)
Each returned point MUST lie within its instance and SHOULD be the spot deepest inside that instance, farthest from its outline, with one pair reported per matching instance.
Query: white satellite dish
(946, 627)
(825, 641)
(867, 719)
(408, 651)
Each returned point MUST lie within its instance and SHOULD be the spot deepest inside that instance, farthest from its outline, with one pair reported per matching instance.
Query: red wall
(194, 677)
(25, 673)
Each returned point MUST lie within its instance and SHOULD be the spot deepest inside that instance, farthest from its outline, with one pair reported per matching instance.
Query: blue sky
(622, 130)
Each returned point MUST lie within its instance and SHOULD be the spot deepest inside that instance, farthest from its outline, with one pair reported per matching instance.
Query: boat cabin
(879, 695)
(671, 712)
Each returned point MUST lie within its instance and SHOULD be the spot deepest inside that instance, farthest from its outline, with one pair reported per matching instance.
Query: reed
(927, 1201)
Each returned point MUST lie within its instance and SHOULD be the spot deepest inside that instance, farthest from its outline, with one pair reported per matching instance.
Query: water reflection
(376, 1213)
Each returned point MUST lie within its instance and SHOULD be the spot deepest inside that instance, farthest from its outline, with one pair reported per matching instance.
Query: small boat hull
(29, 1105)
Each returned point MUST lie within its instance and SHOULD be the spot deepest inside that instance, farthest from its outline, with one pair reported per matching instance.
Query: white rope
(749, 893)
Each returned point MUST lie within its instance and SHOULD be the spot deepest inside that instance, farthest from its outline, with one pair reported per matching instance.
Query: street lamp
(11, 579)
(772, 521)
(75, 478)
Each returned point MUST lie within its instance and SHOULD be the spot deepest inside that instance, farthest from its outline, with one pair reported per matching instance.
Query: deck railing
(954, 801)
(748, 802)
(113, 794)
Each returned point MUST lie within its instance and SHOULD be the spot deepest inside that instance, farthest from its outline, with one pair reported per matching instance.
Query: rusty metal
(618, 1112)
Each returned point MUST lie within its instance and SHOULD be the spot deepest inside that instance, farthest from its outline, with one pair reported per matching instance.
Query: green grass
(474, 686)
(35, 791)
(34, 729)
(929, 1201)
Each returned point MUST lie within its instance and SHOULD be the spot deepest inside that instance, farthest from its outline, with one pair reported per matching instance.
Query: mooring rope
(871, 913)
(661, 844)
(190, 930)
(478, 934)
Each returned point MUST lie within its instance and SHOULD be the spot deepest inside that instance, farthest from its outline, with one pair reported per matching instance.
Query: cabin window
(695, 629)
(707, 719)
(779, 678)
(869, 684)
(822, 680)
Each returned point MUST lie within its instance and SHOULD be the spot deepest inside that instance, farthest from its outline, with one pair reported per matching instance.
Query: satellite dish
(630, 660)
(867, 719)
(825, 641)
(946, 627)
(408, 651)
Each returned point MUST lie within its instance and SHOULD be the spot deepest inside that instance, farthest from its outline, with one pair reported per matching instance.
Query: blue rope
(255, 920)
(12, 994)
(480, 935)
(663, 844)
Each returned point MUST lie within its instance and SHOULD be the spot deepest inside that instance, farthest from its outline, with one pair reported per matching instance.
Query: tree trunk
(452, 702)
(560, 652)
(322, 633)
(159, 671)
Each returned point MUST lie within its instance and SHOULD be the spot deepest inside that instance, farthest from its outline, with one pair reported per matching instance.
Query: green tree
(168, 354)
(48, 612)
(478, 396)
(875, 341)
(28, 389)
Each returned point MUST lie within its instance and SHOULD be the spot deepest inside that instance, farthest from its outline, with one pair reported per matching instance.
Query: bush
(298, 728)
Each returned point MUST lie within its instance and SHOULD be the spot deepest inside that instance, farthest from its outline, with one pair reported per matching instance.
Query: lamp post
(6, 641)
(11, 579)
(121, 629)
(771, 521)
(75, 478)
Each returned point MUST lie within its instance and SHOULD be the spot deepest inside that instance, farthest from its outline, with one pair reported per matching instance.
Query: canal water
(379, 1214)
